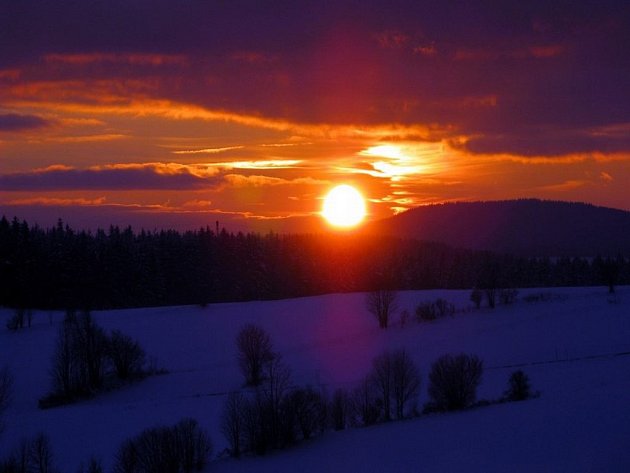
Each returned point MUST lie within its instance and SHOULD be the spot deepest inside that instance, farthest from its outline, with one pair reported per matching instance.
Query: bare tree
(382, 377)
(309, 407)
(40, 455)
(92, 346)
(476, 296)
(365, 406)
(65, 369)
(254, 352)
(6, 391)
(453, 381)
(273, 391)
(405, 381)
(31, 456)
(339, 409)
(79, 361)
(382, 304)
(396, 379)
(232, 422)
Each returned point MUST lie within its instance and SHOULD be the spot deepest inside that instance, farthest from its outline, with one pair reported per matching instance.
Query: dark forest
(60, 268)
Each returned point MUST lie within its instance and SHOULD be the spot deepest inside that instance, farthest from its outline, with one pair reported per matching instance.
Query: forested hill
(524, 227)
(61, 268)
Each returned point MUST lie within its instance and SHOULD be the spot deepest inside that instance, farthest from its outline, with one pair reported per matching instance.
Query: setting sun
(344, 207)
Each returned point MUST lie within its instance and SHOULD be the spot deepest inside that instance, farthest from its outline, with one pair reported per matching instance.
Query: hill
(566, 344)
(525, 227)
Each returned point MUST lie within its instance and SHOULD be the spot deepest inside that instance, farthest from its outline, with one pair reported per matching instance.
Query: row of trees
(59, 268)
(275, 414)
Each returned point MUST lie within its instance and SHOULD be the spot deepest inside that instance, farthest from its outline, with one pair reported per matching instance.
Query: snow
(567, 345)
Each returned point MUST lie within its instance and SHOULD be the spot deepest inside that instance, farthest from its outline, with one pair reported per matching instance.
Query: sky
(182, 113)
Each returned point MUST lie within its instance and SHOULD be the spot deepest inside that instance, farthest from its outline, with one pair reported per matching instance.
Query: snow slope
(569, 346)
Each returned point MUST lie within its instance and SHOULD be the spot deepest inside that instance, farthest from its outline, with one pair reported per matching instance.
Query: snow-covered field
(570, 346)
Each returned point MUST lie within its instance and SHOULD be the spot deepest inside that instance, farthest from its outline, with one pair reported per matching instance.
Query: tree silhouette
(382, 303)
(254, 352)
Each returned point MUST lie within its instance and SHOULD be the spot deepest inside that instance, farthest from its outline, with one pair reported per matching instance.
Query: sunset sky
(180, 113)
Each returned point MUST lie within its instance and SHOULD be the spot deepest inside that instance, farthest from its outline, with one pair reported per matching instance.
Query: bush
(518, 387)
(181, 448)
(126, 355)
(508, 296)
(444, 308)
(453, 381)
(426, 311)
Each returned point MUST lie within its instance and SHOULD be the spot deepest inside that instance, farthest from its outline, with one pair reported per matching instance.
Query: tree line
(61, 268)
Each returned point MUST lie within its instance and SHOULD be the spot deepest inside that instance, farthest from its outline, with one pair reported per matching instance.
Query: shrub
(518, 387)
(508, 296)
(453, 381)
(126, 355)
(181, 448)
(444, 308)
(426, 311)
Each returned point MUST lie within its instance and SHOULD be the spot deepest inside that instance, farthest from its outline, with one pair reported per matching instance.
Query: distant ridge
(528, 227)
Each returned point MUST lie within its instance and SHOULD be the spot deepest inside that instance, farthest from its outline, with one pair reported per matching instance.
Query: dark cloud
(490, 69)
(139, 178)
(553, 142)
(16, 122)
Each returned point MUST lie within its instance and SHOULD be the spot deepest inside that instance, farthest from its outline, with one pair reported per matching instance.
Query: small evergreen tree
(519, 388)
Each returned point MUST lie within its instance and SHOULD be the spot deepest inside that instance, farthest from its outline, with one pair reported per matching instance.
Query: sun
(344, 207)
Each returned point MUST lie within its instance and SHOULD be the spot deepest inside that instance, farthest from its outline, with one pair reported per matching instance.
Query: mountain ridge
(528, 227)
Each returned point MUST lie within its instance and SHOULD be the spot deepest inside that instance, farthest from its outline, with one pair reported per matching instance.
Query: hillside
(525, 227)
(566, 345)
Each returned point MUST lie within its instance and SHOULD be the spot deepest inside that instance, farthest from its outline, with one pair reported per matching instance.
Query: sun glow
(344, 207)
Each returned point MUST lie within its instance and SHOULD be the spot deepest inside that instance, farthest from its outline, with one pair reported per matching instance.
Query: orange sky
(254, 133)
